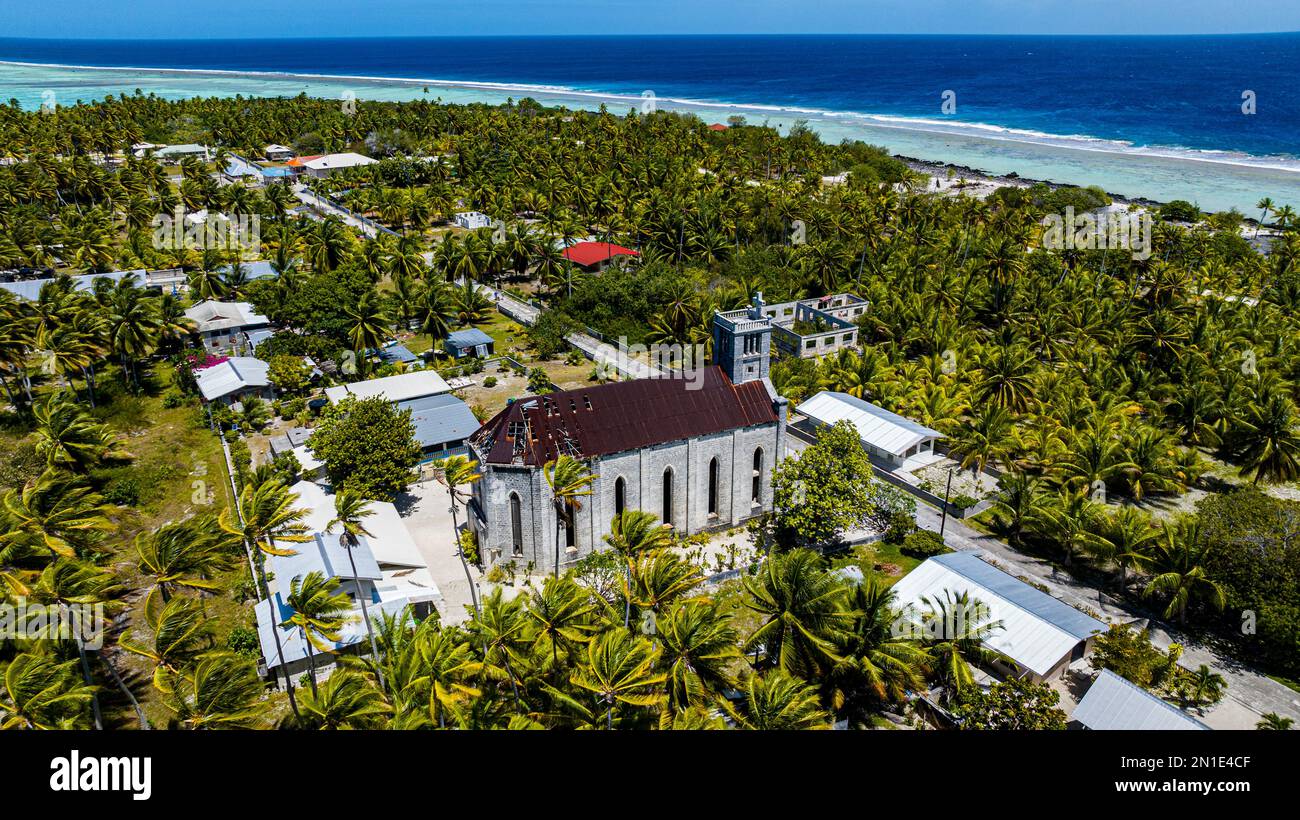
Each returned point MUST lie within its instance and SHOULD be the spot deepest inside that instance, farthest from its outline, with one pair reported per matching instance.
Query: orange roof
(298, 162)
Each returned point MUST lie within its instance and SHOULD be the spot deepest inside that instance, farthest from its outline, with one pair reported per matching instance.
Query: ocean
(1212, 119)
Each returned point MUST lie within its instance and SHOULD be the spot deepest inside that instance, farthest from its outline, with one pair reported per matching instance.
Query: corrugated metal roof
(394, 388)
(231, 375)
(30, 289)
(440, 419)
(324, 554)
(468, 337)
(614, 418)
(210, 315)
(1037, 632)
(389, 541)
(876, 426)
(1114, 703)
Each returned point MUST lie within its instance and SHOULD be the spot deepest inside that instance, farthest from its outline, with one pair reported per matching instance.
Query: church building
(696, 452)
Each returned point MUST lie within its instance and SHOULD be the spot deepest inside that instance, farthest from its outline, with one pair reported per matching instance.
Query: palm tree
(346, 700)
(67, 436)
(1020, 502)
(455, 472)
(1270, 444)
(445, 666)
(804, 610)
(1272, 721)
(620, 669)
(1265, 205)
(1178, 566)
(349, 510)
(876, 664)
(777, 701)
(55, 514)
(318, 610)
(633, 532)
(1202, 686)
(180, 631)
(956, 627)
(264, 513)
(434, 310)
(69, 583)
(699, 650)
(570, 481)
(221, 691)
(562, 611)
(368, 325)
(40, 692)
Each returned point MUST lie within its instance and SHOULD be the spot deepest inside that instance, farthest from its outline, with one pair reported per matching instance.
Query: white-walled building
(697, 453)
(1039, 634)
(323, 166)
(391, 574)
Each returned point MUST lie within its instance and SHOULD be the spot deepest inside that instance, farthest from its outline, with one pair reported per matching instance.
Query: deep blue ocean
(1173, 92)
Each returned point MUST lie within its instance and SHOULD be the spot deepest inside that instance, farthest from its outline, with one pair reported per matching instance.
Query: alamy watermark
(83, 623)
(1092, 231)
(222, 232)
(656, 361)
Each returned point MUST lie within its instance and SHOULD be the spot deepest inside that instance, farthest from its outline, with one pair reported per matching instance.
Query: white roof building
(390, 571)
(1114, 703)
(212, 316)
(885, 435)
(326, 165)
(472, 220)
(403, 387)
(1039, 633)
(232, 376)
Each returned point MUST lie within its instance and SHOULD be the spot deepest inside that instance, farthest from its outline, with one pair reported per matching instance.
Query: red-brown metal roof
(613, 418)
(592, 253)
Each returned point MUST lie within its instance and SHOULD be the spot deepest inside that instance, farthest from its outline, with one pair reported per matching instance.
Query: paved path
(365, 226)
(426, 511)
(601, 353)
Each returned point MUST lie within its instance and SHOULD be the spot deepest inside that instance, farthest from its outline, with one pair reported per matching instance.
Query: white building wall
(643, 474)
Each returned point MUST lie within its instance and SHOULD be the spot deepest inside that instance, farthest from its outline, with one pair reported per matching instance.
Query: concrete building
(277, 153)
(472, 220)
(890, 439)
(812, 328)
(1039, 635)
(594, 257)
(322, 166)
(403, 387)
(697, 453)
(1113, 703)
(233, 379)
(469, 342)
(224, 326)
(391, 575)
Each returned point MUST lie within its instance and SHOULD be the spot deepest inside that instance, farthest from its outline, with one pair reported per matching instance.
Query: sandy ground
(425, 509)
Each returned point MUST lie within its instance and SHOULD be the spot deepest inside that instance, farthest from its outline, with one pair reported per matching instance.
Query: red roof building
(717, 126)
(595, 255)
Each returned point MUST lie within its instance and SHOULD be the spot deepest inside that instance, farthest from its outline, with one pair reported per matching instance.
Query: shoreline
(1211, 180)
(902, 122)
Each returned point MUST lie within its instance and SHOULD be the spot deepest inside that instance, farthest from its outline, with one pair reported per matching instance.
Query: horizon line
(642, 35)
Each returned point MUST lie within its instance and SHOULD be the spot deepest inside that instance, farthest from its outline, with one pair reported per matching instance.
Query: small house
(469, 342)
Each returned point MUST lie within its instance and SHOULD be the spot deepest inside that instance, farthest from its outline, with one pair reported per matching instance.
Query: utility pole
(943, 522)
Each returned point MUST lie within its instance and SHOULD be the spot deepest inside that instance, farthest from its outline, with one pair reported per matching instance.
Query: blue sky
(317, 18)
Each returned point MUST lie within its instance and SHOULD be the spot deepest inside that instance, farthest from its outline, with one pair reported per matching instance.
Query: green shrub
(490, 381)
(243, 640)
(923, 544)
